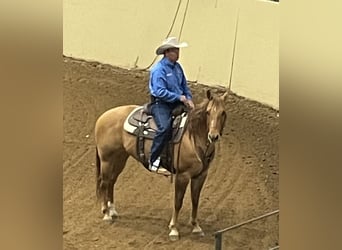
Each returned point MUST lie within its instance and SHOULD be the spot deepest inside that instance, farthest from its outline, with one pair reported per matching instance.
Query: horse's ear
(209, 96)
(224, 96)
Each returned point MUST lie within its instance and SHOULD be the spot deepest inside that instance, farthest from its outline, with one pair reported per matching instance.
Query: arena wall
(126, 33)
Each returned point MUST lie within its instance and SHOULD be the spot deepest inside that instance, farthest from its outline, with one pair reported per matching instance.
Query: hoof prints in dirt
(242, 182)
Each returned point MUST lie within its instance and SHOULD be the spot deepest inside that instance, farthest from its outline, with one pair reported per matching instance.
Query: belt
(155, 99)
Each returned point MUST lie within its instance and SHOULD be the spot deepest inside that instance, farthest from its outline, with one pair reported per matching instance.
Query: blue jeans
(161, 112)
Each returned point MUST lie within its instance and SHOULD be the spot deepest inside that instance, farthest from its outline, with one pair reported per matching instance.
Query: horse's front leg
(196, 187)
(181, 184)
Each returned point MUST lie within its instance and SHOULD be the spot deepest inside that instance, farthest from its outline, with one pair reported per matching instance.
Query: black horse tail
(98, 175)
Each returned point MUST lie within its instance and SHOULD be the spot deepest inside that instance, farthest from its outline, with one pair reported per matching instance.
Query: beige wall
(121, 32)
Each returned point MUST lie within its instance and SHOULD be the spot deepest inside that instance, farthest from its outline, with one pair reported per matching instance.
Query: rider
(168, 88)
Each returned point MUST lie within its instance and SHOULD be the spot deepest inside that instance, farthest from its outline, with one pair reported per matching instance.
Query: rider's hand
(183, 99)
(191, 104)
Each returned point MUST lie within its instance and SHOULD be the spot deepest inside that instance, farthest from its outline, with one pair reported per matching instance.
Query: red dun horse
(197, 147)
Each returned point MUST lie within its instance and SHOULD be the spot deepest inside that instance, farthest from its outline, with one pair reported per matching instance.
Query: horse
(195, 152)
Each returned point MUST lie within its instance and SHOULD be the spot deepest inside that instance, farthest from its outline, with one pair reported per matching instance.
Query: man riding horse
(194, 152)
(168, 88)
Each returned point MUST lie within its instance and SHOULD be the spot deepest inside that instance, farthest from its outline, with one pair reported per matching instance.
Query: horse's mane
(197, 118)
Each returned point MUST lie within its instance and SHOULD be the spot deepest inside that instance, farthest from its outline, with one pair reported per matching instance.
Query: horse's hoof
(198, 231)
(201, 234)
(174, 235)
(106, 217)
(112, 212)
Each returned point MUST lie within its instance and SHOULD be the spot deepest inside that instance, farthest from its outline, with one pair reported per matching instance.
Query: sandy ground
(242, 182)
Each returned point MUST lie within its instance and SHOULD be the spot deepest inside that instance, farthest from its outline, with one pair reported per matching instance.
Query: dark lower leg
(181, 184)
(196, 187)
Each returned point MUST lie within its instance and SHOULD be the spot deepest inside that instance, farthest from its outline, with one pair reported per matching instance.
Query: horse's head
(216, 116)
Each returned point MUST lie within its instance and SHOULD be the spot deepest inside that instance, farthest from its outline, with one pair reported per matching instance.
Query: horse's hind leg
(119, 164)
(106, 172)
(111, 172)
(110, 204)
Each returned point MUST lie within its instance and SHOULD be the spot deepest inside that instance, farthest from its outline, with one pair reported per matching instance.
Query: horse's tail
(98, 174)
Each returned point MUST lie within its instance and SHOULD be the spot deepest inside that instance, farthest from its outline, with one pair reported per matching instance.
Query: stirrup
(159, 170)
(163, 171)
(156, 168)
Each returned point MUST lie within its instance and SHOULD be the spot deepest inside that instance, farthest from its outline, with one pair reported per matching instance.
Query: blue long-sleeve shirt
(167, 81)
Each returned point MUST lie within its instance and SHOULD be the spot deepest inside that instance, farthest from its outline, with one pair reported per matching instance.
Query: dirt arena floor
(242, 182)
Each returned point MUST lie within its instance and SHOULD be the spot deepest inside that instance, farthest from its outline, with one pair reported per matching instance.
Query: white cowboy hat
(170, 42)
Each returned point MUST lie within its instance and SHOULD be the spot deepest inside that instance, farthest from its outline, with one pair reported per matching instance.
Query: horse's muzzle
(213, 137)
